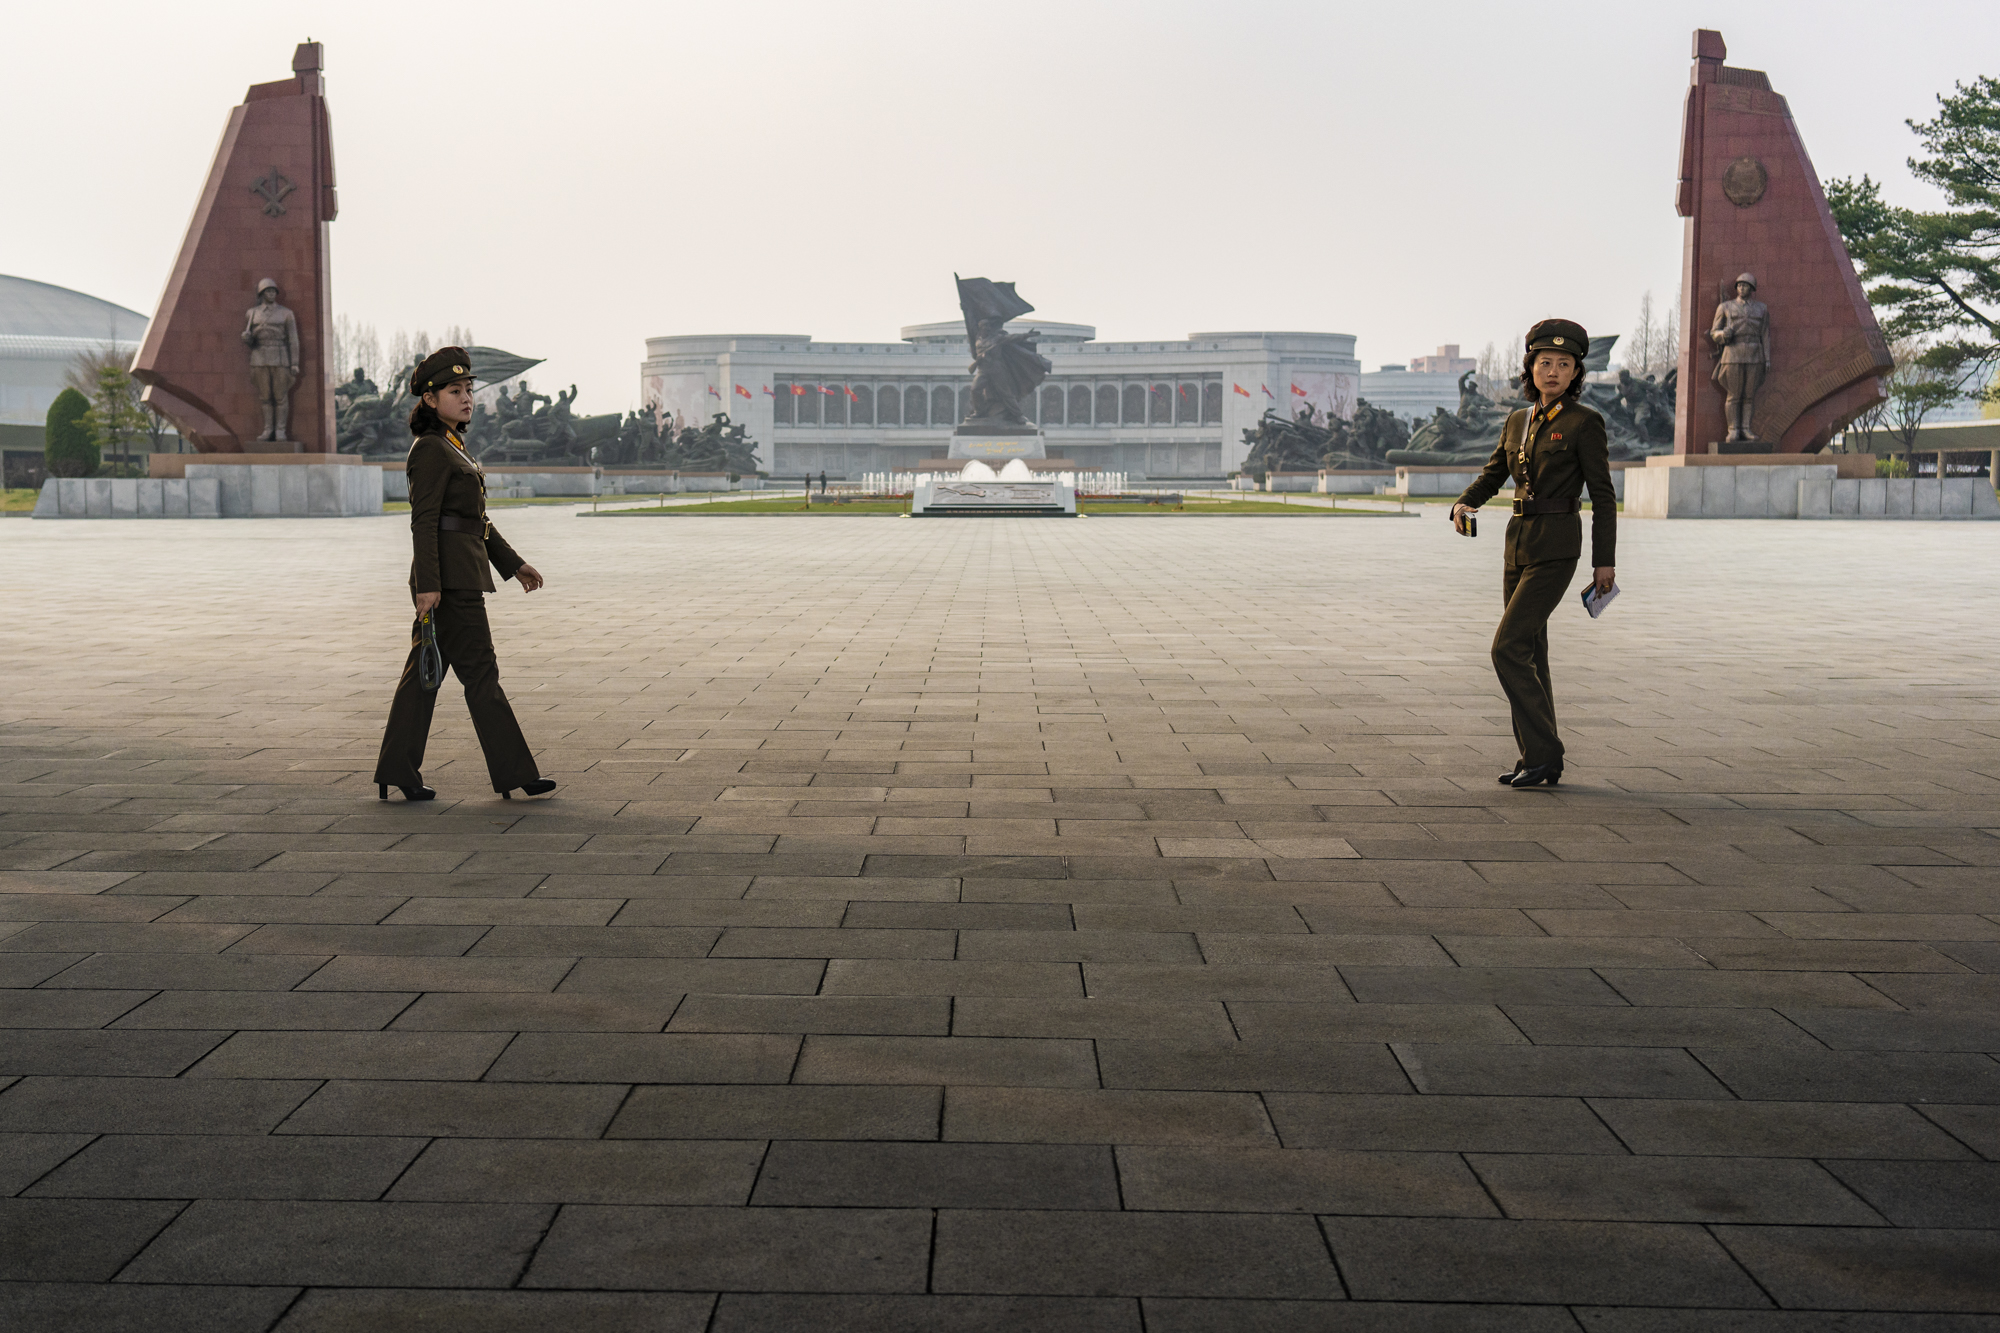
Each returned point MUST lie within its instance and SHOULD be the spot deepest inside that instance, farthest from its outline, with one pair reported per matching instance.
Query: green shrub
(69, 448)
(1891, 467)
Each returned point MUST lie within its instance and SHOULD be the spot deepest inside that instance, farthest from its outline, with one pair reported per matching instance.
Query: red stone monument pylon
(1753, 204)
(263, 213)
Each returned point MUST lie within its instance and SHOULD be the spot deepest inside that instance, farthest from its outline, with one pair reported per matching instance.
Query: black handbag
(430, 659)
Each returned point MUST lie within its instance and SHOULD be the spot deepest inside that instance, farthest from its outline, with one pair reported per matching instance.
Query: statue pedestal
(997, 443)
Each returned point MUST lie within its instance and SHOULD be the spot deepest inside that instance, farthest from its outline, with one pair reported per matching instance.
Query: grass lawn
(1200, 505)
(18, 499)
(787, 505)
(793, 506)
(403, 506)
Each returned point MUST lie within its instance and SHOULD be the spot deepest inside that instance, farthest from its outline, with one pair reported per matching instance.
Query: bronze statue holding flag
(1006, 368)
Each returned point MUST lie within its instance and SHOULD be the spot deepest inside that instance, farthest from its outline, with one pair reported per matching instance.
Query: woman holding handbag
(1553, 451)
(455, 550)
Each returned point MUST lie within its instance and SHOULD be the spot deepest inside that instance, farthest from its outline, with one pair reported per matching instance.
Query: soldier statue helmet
(271, 332)
(1741, 335)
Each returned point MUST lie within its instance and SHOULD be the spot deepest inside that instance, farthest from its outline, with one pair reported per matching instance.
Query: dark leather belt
(453, 523)
(1533, 508)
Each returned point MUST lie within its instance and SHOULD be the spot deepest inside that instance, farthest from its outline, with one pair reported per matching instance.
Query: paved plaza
(1002, 925)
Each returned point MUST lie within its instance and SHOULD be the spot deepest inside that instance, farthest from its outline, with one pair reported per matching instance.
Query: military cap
(1559, 335)
(1746, 278)
(272, 283)
(440, 368)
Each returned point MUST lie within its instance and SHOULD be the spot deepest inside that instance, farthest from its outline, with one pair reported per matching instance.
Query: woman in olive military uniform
(449, 579)
(1553, 451)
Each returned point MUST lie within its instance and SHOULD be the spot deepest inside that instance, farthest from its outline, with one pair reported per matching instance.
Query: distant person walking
(1553, 451)
(822, 483)
(455, 549)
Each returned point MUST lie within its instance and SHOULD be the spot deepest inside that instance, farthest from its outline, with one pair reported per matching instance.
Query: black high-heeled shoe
(1535, 777)
(538, 787)
(1507, 779)
(419, 793)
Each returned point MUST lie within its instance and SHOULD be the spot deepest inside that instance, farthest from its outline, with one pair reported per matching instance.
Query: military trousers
(466, 642)
(1521, 654)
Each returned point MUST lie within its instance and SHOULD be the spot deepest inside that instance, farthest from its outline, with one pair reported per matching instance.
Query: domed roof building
(43, 329)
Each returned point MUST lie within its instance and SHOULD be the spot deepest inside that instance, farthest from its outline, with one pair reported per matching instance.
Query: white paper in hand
(1595, 603)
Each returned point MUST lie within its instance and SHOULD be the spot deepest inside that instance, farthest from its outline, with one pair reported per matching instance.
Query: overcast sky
(568, 179)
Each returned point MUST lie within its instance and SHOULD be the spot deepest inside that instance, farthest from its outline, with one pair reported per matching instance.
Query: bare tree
(1639, 349)
(1499, 367)
(1654, 346)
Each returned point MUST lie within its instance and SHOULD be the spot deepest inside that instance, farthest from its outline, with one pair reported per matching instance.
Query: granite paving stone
(360, 1310)
(1666, 1189)
(298, 1011)
(718, 1112)
(937, 1175)
(744, 1313)
(997, 925)
(1439, 1123)
(735, 1249)
(142, 1309)
(76, 1240)
(1123, 1253)
(1777, 1129)
(1857, 1268)
(219, 1241)
(471, 1170)
(230, 1166)
(1927, 1194)
(26, 1158)
(452, 1110)
(109, 1105)
(1625, 1263)
(1265, 1180)
(631, 1057)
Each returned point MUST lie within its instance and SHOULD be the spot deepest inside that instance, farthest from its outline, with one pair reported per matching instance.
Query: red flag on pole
(713, 394)
(768, 393)
(798, 391)
(745, 392)
(1267, 392)
(852, 396)
(1240, 389)
(1297, 390)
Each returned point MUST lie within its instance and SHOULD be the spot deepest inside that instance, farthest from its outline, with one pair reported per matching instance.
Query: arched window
(1187, 402)
(1211, 404)
(1162, 404)
(834, 405)
(781, 404)
(1107, 404)
(807, 403)
(861, 407)
(964, 405)
(889, 403)
(913, 406)
(1079, 405)
(1135, 404)
(1052, 405)
(941, 411)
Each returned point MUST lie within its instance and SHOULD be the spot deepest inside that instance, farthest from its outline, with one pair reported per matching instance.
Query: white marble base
(1720, 492)
(128, 497)
(955, 497)
(1898, 497)
(299, 490)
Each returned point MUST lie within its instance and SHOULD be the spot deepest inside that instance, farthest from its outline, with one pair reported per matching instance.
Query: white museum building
(1166, 409)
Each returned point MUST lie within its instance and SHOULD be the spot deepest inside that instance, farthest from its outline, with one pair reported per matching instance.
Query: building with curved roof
(43, 329)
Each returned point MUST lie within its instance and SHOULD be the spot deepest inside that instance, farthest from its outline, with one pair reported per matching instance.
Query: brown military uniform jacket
(445, 481)
(1566, 454)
